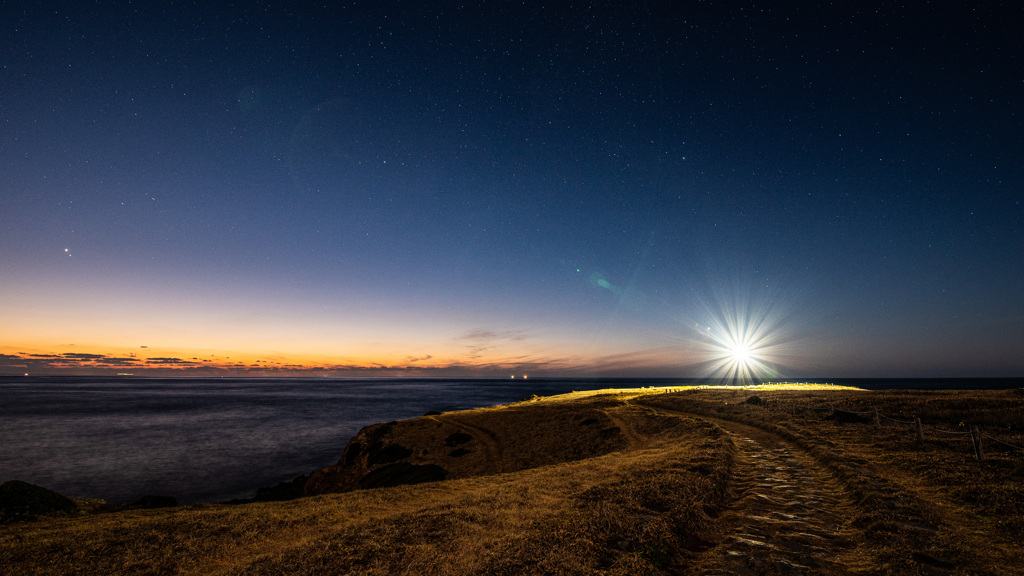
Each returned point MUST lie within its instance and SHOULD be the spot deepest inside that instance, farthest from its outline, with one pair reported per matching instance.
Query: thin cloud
(481, 340)
(476, 352)
(170, 361)
(483, 335)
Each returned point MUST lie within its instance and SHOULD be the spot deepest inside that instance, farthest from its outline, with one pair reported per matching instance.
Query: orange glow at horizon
(157, 330)
(167, 361)
(149, 358)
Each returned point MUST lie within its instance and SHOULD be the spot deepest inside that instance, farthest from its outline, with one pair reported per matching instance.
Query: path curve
(789, 515)
(489, 440)
(633, 440)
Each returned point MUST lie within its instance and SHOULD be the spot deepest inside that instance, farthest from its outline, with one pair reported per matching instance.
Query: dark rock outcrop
(287, 490)
(152, 501)
(380, 453)
(23, 501)
(467, 444)
(372, 459)
(401, 473)
(146, 502)
(282, 491)
(457, 439)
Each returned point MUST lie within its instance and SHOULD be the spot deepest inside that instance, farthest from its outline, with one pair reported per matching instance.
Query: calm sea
(214, 439)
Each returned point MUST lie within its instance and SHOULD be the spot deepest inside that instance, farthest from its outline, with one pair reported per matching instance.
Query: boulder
(289, 490)
(23, 501)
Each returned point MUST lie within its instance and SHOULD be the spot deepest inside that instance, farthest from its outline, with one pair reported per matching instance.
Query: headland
(783, 479)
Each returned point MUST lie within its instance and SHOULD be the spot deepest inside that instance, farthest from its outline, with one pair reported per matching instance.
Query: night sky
(510, 188)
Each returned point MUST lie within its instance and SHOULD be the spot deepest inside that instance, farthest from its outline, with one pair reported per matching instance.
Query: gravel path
(789, 515)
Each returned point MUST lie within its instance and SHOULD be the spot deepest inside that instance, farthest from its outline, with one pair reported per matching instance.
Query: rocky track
(789, 515)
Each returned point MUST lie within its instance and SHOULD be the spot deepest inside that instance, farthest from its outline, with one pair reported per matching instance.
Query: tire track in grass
(632, 438)
(489, 440)
(789, 515)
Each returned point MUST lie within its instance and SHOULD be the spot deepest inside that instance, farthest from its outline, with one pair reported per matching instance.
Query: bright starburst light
(740, 339)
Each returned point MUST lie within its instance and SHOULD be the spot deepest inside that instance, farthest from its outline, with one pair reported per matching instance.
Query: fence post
(920, 429)
(978, 451)
(878, 423)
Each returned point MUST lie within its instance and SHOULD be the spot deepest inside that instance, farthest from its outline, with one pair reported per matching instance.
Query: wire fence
(876, 417)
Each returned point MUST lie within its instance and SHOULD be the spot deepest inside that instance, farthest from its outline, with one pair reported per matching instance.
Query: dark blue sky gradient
(581, 176)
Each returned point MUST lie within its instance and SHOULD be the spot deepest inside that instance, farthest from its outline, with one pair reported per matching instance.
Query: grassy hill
(609, 482)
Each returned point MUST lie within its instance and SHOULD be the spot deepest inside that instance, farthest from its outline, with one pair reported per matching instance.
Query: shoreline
(288, 488)
(614, 480)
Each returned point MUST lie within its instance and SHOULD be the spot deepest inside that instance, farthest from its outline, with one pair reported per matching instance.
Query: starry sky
(506, 188)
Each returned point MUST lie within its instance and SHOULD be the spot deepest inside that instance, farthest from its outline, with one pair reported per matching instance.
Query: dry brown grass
(624, 512)
(931, 499)
(610, 482)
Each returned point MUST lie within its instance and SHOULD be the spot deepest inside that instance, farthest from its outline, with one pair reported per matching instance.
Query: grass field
(692, 481)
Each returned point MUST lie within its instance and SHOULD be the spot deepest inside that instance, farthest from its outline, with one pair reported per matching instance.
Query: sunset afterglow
(554, 190)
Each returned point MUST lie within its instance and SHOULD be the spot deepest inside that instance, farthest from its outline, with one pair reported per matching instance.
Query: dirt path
(632, 438)
(789, 515)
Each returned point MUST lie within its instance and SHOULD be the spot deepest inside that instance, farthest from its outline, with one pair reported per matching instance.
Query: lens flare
(740, 339)
(737, 353)
(740, 354)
